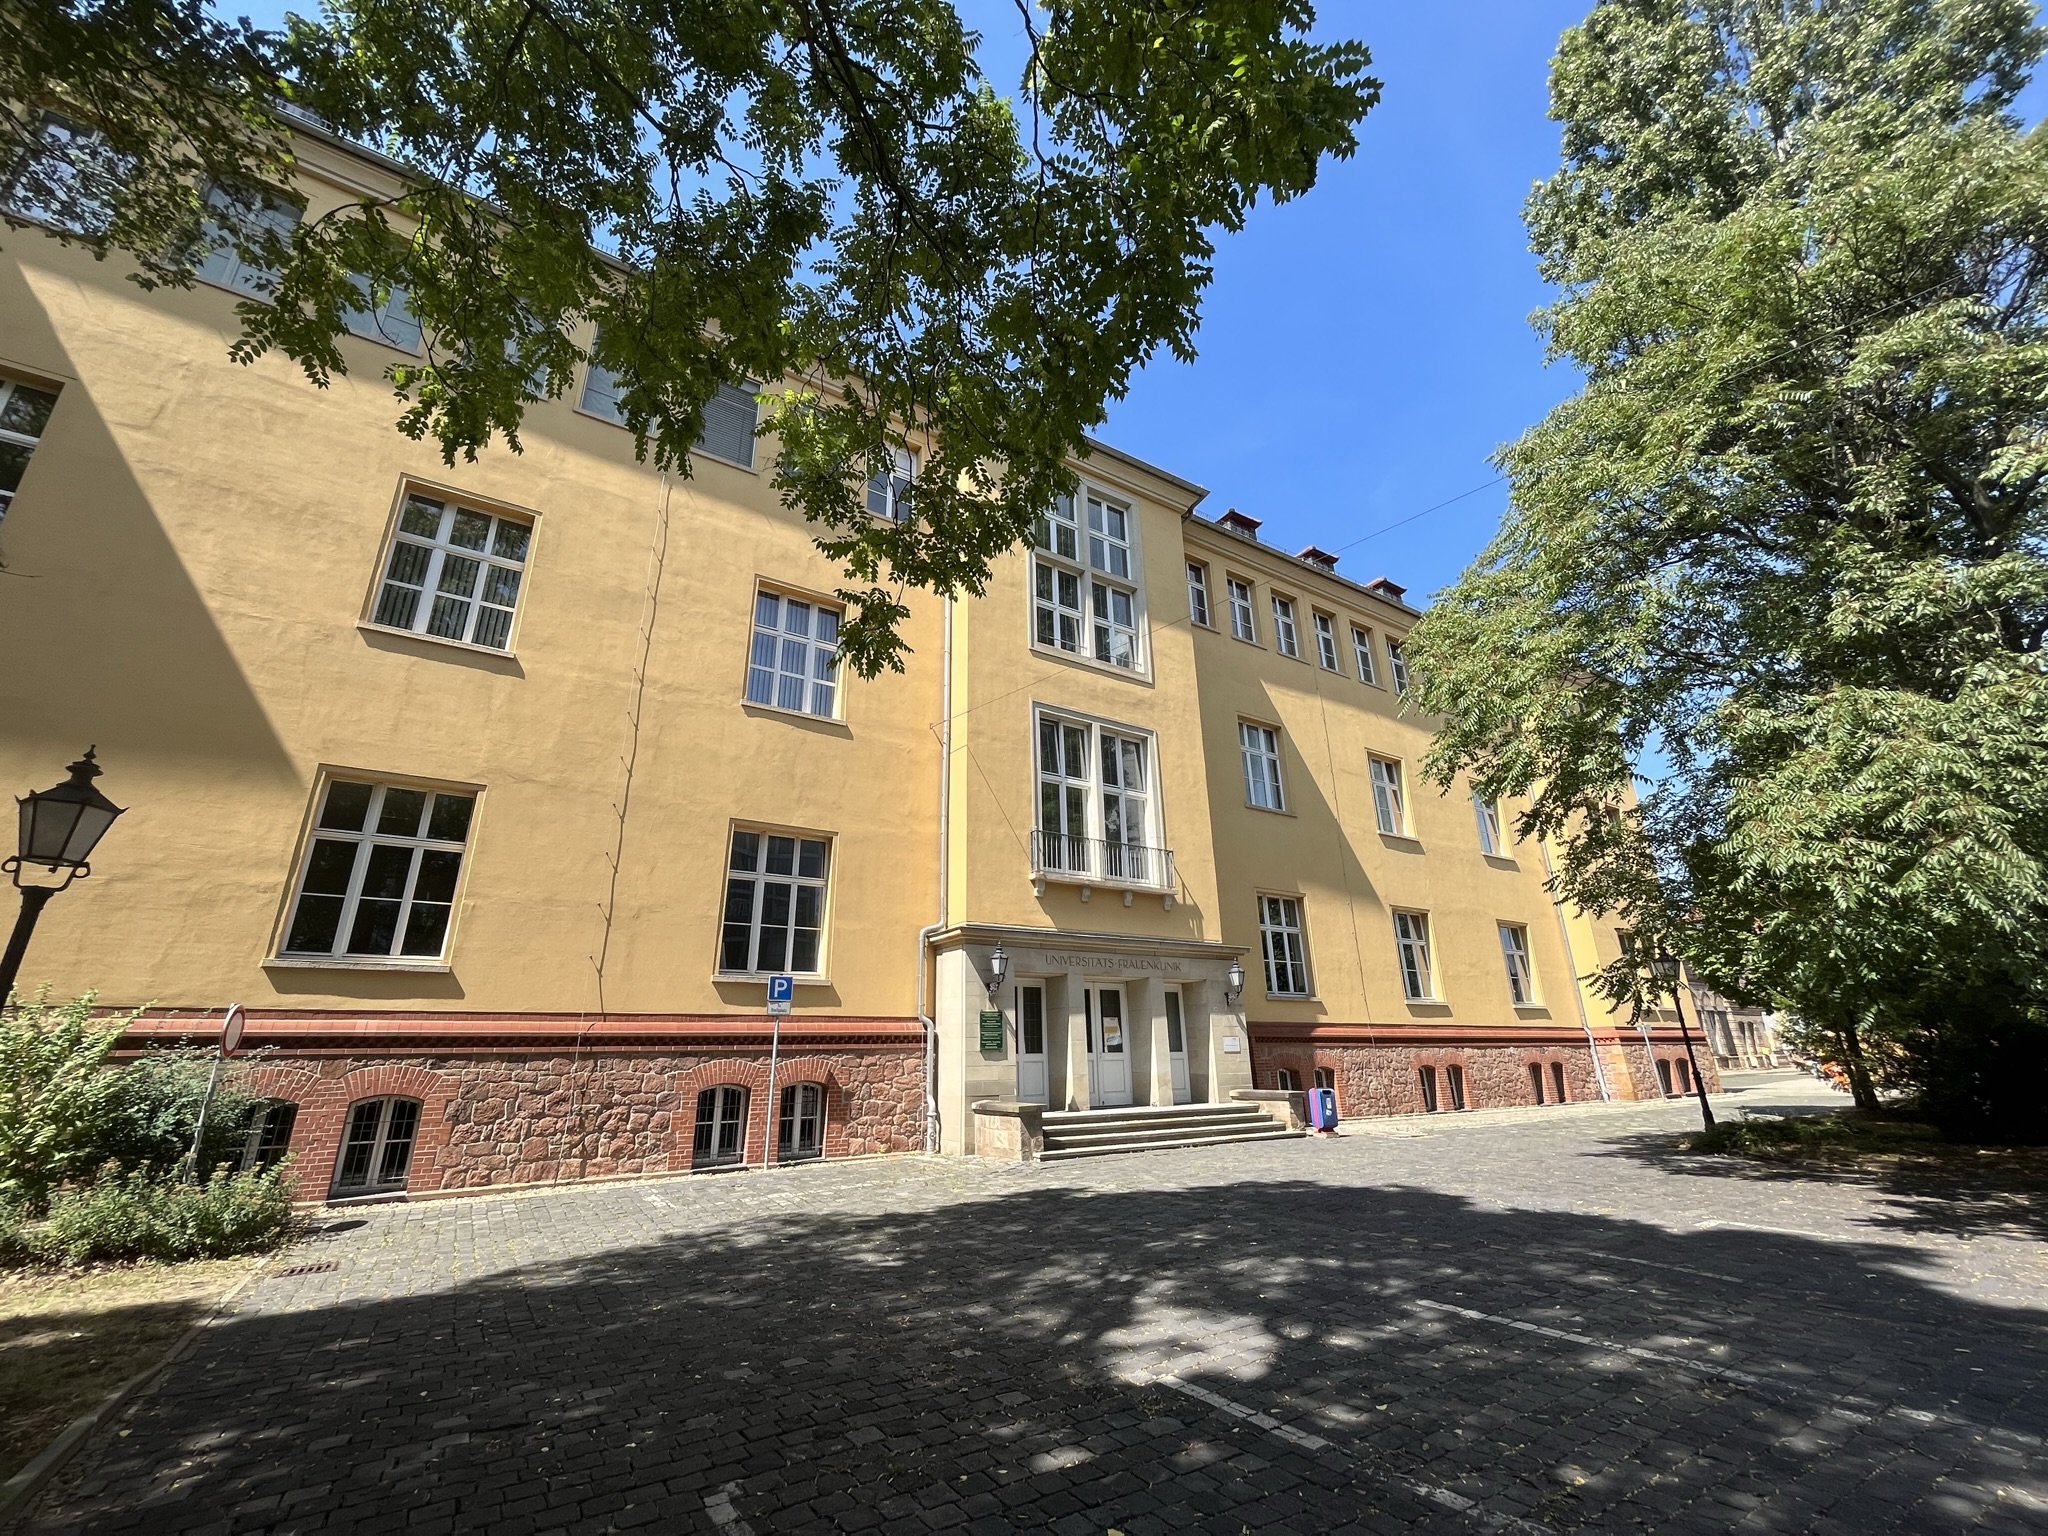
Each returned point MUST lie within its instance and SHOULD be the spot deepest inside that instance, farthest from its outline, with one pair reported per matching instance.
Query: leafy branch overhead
(1792, 534)
(823, 198)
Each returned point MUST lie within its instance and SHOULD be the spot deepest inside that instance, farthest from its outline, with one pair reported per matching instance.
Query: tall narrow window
(1514, 949)
(453, 573)
(262, 220)
(1487, 814)
(1280, 943)
(774, 904)
(1063, 783)
(1284, 638)
(1388, 806)
(24, 412)
(1242, 621)
(380, 873)
(1536, 1081)
(1084, 599)
(1557, 1082)
(1125, 837)
(1425, 1078)
(794, 663)
(1361, 653)
(1198, 594)
(721, 1133)
(1454, 1085)
(1031, 1021)
(1397, 665)
(889, 489)
(1326, 642)
(1411, 939)
(1259, 745)
(376, 1151)
(800, 1133)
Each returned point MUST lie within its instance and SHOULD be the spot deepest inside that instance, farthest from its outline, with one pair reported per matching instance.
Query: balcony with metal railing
(1091, 861)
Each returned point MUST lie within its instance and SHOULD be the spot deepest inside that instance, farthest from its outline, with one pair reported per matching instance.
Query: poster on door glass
(1112, 1035)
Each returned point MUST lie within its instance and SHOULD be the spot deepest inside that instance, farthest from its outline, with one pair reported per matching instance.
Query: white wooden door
(1177, 1047)
(1032, 1082)
(1109, 1058)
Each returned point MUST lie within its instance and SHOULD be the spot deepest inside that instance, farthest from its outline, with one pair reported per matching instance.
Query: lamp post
(1666, 968)
(60, 827)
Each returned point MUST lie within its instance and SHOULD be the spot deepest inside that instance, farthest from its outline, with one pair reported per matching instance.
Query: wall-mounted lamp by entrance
(1235, 979)
(998, 968)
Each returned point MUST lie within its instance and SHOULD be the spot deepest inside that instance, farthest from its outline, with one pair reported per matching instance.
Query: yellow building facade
(496, 791)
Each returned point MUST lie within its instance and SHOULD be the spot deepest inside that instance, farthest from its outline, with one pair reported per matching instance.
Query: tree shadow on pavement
(1271, 1356)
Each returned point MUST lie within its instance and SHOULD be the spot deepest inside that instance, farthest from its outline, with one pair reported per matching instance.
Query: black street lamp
(1665, 968)
(59, 830)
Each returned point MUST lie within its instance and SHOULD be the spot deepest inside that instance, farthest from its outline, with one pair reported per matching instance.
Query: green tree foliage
(826, 191)
(1790, 534)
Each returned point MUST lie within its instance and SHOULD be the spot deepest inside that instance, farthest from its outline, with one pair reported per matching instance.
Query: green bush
(139, 1215)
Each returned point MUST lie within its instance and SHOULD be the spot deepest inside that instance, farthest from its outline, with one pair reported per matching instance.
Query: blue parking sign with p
(781, 989)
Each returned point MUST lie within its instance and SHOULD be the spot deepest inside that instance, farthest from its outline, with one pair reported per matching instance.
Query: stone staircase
(1071, 1133)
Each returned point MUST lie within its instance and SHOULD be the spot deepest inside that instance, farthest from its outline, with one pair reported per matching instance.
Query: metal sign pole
(230, 1038)
(781, 989)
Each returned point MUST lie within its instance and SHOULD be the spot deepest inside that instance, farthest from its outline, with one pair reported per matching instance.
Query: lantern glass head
(998, 967)
(1236, 977)
(60, 827)
(1665, 966)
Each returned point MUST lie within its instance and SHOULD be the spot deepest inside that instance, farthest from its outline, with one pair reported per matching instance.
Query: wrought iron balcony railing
(1098, 861)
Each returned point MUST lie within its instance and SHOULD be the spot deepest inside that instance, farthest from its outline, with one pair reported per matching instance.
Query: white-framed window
(1285, 640)
(889, 490)
(1259, 746)
(380, 871)
(1361, 653)
(24, 413)
(453, 572)
(1411, 939)
(391, 322)
(1198, 594)
(1096, 804)
(1282, 947)
(721, 1131)
(1514, 950)
(270, 1133)
(1389, 806)
(376, 1150)
(1397, 665)
(254, 214)
(800, 1128)
(1087, 606)
(1243, 623)
(774, 904)
(1283, 1079)
(1326, 642)
(793, 662)
(67, 178)
(730, 416)
(1487, 815)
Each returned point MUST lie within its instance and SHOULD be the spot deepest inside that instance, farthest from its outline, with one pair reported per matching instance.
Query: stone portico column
(1077, 1043)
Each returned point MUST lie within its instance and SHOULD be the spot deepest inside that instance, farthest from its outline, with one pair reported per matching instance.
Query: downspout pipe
(926, 934)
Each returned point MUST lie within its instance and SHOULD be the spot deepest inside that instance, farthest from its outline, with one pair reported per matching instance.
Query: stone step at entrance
(1071, 1133)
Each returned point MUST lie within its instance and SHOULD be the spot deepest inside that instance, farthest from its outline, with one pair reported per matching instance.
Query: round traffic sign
(231, 1030)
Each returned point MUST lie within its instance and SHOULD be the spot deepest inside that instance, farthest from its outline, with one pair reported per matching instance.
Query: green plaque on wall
(991, 1029)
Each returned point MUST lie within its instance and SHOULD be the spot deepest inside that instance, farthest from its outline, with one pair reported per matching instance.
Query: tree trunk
(1860, 1088)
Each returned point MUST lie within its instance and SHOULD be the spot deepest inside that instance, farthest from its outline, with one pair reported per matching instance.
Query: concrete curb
(20, 1490)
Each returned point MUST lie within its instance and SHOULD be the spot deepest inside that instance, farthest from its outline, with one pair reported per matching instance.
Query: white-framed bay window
(793, 659)
(453, 572)
(774, 917)
(1085, 596)
(378, 880)
(1098, 814)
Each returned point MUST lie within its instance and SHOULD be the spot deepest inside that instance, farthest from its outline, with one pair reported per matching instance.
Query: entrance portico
(1083, 1021)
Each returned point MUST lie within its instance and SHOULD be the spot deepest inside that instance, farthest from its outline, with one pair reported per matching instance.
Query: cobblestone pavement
(1520, 1322)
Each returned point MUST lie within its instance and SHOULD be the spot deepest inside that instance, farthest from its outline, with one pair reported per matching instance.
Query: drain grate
(307, 1269)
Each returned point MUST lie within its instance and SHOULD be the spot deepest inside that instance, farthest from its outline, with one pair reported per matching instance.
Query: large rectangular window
(1243, 623)
(1326, 642)
(1389, 807)
(1281, 945)
(730, 416)
(1397, 665)
(1411, 938)
(794, 661)
(1096, 806)
(259, 218)
(24, 412)
(1361, 652)
(1198, 594)
(453, 572)
(1487, 814)
(774, 903)
(1514, 949)
(379, 877)
(391, 322)
(1284, 638)
(1259, 745)
(1084, 599)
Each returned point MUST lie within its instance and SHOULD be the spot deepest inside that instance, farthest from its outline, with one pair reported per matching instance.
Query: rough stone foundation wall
(1386, 1079)
(523, 1118)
